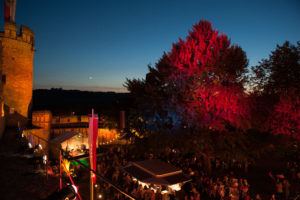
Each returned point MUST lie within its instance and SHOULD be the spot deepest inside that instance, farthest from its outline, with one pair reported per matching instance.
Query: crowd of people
(201, 186)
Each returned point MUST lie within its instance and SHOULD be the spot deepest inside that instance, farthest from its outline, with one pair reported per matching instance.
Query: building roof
(156, 172)
(64, 137)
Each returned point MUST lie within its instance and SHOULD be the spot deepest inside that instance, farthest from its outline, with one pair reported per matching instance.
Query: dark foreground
(19, 177)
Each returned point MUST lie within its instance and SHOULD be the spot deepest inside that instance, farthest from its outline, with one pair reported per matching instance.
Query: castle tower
(17, 71)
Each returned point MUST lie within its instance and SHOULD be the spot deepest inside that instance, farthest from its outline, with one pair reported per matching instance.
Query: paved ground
(20, 179)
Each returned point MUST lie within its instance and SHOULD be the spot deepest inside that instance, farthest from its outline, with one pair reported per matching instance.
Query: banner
(93, 135)
(9, 10)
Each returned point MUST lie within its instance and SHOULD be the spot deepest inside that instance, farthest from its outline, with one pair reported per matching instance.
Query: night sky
(95, 45)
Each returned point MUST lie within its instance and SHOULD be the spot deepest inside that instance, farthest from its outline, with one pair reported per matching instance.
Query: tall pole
(60, 178)
(91, 186)
(93, 133)
(91, 173)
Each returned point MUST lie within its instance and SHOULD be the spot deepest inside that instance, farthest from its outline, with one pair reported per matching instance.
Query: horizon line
(87, 89)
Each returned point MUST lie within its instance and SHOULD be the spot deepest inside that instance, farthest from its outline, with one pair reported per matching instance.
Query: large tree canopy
(208, 54)
(208, 79)
(200, 80)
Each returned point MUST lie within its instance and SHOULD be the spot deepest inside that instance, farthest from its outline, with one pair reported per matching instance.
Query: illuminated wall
(55, 126)
(42, 119)
(105, 135)
(65, 119)
(39, 136)
(17, 67)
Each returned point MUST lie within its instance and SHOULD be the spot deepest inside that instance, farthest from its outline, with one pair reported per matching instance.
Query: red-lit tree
(285, 118)
(208, 79)
(200, 79)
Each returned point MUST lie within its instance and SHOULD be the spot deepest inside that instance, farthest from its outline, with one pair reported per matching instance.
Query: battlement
(17, 51)
(11, 31)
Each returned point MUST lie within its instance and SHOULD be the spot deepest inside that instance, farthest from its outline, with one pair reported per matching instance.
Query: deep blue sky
(96, 45)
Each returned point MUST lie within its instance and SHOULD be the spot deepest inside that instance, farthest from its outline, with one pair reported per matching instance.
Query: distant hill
(61, 101)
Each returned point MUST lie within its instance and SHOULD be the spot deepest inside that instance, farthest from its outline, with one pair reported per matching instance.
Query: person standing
(273, 197)
(279, 189)
(257, 197)
(286, 186)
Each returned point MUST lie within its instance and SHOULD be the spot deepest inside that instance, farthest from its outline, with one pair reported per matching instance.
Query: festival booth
(157, 174)
(71, 142)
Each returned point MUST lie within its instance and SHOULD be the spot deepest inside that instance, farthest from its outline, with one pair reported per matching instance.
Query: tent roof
(156, 172)
(137, 172)
(157, 167)
(64, 137)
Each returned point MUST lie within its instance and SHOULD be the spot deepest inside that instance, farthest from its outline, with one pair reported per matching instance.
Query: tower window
(2, 109)
(11, 110)
(3, 79)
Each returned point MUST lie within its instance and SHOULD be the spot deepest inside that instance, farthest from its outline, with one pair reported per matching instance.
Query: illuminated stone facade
(17, 68)
(42, 119)
(58, 125)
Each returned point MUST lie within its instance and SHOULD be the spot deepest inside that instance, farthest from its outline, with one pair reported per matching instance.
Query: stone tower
(17, 72)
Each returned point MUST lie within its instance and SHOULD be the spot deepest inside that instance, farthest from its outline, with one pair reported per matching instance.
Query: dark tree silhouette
(277, 89)
(280, 72)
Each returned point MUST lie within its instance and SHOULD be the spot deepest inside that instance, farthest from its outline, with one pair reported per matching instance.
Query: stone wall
(42, 119)
(2, 126)
(64, 119)
(17, 67)
(2, 120)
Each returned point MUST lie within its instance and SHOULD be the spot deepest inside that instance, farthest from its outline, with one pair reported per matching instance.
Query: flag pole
(91, 186)
(91, 173)
(60, 178)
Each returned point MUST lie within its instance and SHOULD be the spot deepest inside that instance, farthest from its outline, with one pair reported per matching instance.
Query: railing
(29, 135)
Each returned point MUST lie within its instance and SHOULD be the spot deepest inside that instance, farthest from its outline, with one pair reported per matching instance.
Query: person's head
(257, 196)
(194, 190)
(273, 196)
